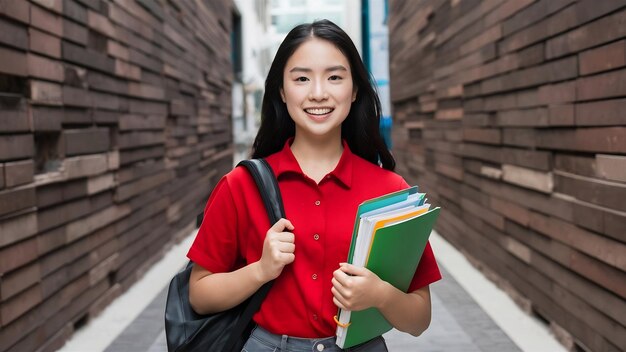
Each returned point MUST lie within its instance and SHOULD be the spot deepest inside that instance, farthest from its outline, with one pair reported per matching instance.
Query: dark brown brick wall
(114, 127)
(510, 114)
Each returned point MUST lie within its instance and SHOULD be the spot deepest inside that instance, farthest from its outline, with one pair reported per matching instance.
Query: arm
(209, 293)
(357, 288)
(408, 312)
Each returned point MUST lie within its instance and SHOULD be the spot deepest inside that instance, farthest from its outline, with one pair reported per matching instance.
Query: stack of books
(389, 237)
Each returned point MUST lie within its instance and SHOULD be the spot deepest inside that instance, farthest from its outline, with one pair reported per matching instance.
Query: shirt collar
(287, 163)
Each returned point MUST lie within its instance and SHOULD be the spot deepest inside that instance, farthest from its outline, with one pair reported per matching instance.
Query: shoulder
(236, 192)
(237, 180)
(241, 183)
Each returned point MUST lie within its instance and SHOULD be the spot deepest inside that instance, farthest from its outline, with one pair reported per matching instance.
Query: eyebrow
(328, 69)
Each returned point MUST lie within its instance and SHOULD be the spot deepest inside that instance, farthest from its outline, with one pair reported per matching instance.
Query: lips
(319, 111)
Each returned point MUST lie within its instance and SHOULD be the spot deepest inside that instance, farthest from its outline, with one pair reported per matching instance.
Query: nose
(318, 91)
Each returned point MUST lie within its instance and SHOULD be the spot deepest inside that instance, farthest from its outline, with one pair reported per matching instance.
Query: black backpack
(225, 331)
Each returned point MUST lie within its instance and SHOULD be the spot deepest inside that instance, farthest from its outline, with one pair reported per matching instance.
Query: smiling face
(318, 89)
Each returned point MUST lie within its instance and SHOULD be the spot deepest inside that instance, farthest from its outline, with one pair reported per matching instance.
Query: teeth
(318, 111)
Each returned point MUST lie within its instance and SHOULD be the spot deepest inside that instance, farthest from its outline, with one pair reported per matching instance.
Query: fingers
(347, 274)
(341, 287)
(281, 225)
(277, 231)
(339, 290)
(287, 258)
(282, 251)
(354, 288)
(286, 247)
(287, 237)
(282, 241)
(278, 248)
(341, 279)
(339, 301)
(342, 296)
(352, 269)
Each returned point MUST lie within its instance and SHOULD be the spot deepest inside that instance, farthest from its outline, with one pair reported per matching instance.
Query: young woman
(319, 133)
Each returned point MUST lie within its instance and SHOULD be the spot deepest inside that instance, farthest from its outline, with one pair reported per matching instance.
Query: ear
(354, 94)
(282, 95)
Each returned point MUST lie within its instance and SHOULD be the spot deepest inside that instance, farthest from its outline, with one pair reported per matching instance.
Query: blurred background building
(287, 14)
(254, 55)
(115, 123)
(376, 57)
(117, 117)
(510, 114)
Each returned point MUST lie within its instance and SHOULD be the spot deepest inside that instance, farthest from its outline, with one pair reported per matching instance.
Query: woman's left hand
(356, 288)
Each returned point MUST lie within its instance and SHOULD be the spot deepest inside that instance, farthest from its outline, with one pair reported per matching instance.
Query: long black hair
(360, 129)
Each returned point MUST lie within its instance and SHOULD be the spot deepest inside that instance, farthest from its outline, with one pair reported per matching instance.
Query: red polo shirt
(300, 303)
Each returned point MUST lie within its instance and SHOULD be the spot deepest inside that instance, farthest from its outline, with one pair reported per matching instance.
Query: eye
(335, 78)
(301, 79)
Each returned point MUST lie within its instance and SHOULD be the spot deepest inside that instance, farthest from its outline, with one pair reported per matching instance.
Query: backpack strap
(268, 187)
(270, 193)
(184, 328)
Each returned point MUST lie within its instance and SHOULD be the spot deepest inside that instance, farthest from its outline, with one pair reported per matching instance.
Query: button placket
(317, 213)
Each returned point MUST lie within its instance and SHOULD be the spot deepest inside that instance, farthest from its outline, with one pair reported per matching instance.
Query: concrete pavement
(469, 314)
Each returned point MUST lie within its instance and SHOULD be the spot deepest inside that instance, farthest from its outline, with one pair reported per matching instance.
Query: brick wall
(114, 126)
(511, 115)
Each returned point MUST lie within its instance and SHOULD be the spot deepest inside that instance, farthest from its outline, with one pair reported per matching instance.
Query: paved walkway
(459, 322)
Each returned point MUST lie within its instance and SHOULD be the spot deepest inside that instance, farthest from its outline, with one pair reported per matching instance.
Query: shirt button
(316, 237)
(314, 276)
(317, 202)
(319, 347)
(314, 316)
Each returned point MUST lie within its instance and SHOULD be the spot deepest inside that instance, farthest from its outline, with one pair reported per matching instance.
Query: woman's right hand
(278, 250)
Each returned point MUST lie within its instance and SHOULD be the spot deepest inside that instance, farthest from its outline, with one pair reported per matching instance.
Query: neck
(318, 149)
(317, 157)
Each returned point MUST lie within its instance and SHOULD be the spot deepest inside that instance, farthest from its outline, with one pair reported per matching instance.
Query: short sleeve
(215, 247)
(427, 270)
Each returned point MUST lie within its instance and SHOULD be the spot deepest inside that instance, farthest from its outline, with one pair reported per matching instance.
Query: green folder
(394, 255)
(377, 203)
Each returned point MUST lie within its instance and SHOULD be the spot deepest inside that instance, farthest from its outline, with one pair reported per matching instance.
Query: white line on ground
(527, 332)
(103, 329)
